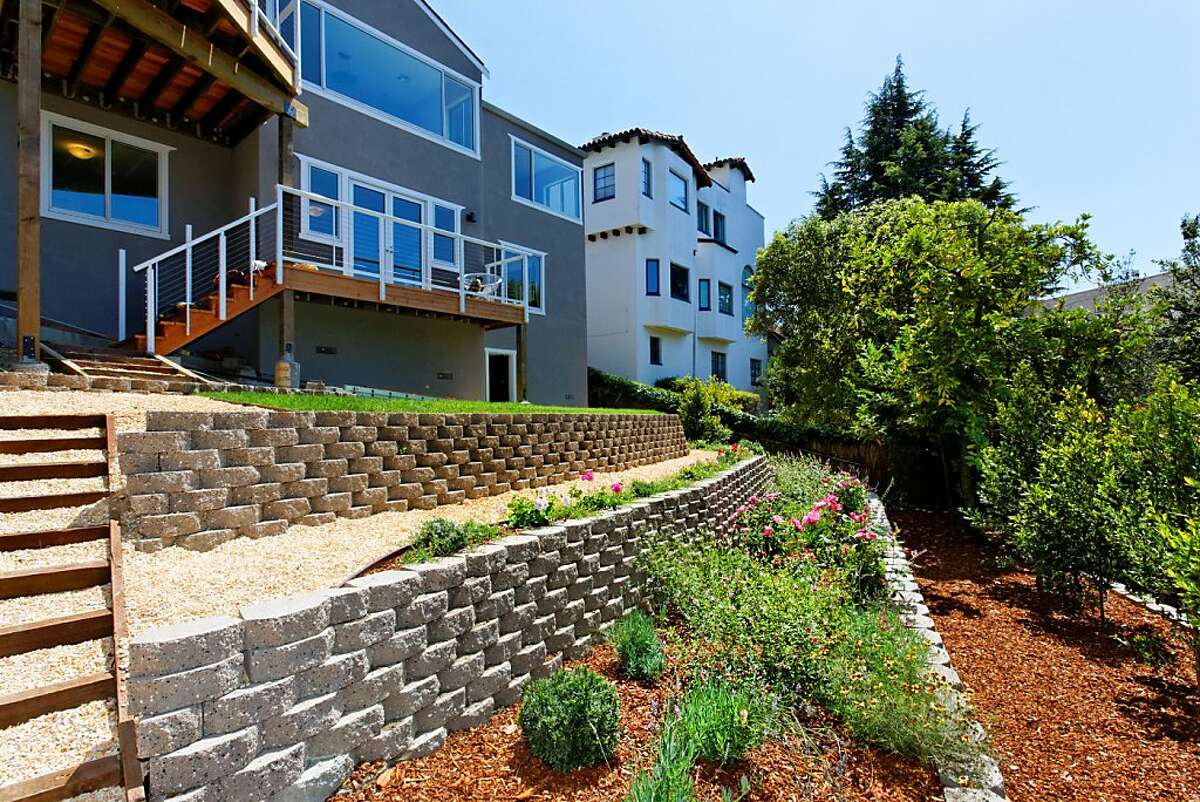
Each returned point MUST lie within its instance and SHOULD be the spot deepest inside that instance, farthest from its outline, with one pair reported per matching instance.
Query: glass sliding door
(406, 241)
(367, 230)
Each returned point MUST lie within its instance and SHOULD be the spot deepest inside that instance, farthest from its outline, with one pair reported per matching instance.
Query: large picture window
(545, 181)
(344, 58)
(95, 176)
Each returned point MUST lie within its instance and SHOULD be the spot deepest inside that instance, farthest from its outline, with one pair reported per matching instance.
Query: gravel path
(175, 584)
(129, 409)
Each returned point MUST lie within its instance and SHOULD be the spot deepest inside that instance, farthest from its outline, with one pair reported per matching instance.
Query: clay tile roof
(736, 162)
(643, 135)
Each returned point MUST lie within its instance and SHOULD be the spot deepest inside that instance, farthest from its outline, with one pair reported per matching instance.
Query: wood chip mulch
(1072, 712)
(490, 763)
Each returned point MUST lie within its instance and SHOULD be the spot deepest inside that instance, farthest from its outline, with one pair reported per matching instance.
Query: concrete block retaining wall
(281, 702)
(198, 479)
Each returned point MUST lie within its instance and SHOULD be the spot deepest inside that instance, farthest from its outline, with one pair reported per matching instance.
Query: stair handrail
(260, 211)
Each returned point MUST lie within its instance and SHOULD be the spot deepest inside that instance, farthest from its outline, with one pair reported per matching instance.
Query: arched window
(747, 285)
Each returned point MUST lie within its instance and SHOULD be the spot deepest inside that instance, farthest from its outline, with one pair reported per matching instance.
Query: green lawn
(442, 405)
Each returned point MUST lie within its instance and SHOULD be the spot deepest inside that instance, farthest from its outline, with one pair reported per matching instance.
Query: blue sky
(1093, 106)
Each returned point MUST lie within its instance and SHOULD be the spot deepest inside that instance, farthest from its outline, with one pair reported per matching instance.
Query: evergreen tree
(1180, 334)
(902, 150)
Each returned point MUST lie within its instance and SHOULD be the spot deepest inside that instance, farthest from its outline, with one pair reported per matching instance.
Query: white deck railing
(328, 236)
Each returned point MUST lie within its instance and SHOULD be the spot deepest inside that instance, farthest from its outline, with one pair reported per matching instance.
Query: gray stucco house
(410, 237)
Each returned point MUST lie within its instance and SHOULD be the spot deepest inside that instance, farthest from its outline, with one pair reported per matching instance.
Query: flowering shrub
(833, 531)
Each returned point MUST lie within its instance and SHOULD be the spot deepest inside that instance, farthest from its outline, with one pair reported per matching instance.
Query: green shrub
(570, 719)
(722, 393)
(1183, 567)
(725, 722)
(441, 538)
(638, 647)
(696, 415)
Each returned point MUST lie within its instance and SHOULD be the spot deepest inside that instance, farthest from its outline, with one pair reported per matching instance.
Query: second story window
(755, 372)
(604, 183)
(381, 77)
(545, 181)
(655, 350)
(652, 277)
(704, 295)
(647, 179)
(724, 298)
(718, 231)
(702, 219)
(680, 283)
(677, 189)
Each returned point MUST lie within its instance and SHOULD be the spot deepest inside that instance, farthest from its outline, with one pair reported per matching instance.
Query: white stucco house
(671, 245)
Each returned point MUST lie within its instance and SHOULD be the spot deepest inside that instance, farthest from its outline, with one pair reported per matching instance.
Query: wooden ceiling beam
(48, 24)
(212, 120)
(188, 44)
(201, 85)
(162, 80)
(137, 49)
(85, 53)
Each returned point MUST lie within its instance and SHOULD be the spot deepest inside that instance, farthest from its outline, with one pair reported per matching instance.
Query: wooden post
(522, 354)
(287, 370)
(29, 135)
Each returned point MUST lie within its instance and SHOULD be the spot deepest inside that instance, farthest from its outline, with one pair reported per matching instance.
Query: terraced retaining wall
(281, 702)
(198, 479)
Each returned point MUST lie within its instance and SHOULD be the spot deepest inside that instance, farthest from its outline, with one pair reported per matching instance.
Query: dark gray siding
(79, 262)
(557, 357)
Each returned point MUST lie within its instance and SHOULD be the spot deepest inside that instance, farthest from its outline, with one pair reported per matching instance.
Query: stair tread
(22, 706)
(54, 579)
(44, 445)
(53, 470)
(51, 501)
(21, 541)
(61, 631)
(103, 772)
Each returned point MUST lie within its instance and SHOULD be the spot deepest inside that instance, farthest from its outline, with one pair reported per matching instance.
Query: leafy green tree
(907, 318)
(902, 150)
(1180, 334)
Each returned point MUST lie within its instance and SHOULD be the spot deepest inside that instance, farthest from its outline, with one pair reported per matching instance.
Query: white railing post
(254, 18)
(121, 295)
(221, 279)
(525, 285)
(151, 307)
(279, 233)
(253, 245)
(381, 249)
(187, 278)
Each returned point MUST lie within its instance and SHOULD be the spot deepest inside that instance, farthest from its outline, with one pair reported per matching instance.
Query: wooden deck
(490, 314)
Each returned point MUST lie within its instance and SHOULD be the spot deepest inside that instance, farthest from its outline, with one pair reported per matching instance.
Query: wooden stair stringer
(173, 333)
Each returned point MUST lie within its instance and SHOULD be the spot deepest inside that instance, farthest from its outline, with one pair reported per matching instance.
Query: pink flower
(754, 499)
(617, 487)
(858, 517)
(813, 516)
(778, 519)
(768, 531)
(797, 523)
(587, 476)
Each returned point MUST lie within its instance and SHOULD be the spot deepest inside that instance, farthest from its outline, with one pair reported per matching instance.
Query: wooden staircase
(173, 332)
(121, 770)
(112, 369)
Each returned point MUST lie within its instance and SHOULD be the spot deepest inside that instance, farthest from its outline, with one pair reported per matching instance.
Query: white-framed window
(546, 182)
(405, 243)
(677, 190)
(534, 287)
(104, 178)
(354, 64)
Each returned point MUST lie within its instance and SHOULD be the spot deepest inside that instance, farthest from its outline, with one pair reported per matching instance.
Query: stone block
(364, 632)
(488, 683)
(424, 609)
(160, 482)
(346, 604)
(168, 732)
(486, 559)
(274, 437)
(242, 419)
(220, 439)
(206, 539)
(448, 572)
(336, 673)
(317, 782)
(283, 472)
(452, 624)
(301, 721)
(276, 662)
(399, 647)
(319, 434)
(473, 590)
(414, 696)
(179, 647)
(238, 476)
(178, 421)
(189, 460)
(152, 442)
(287, 620)
(203, 762)
(287, 509)
(391, 742)
(332, 502)
(474, 715)
(199, 500)
(436, 657)
(527, 658)
(511, 693)
(389, 589)
(350, 730)
(266, 774)
(500, 603)
(461, 672)
(171, 525)
(373, 688)
(256, 494)
(479, 637)
(266, 529)
(426, 743)
(247, 706)
(444, 708)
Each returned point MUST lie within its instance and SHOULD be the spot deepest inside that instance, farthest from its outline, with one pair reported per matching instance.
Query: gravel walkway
(175, 584)
(129, 409)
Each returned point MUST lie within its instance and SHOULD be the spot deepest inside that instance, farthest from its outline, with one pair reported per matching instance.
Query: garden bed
(491, 762)
(1075, 712)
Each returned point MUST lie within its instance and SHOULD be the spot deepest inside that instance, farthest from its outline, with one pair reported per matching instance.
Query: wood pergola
(214, 69)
